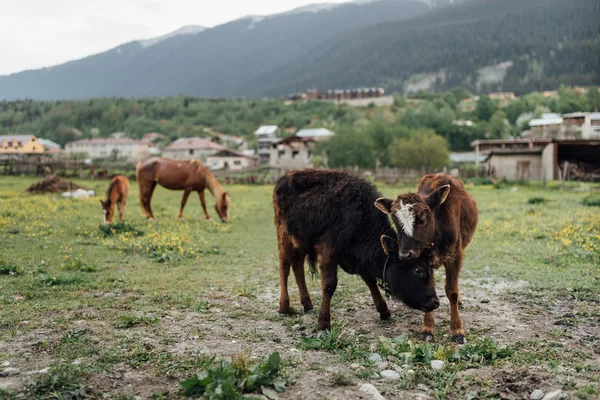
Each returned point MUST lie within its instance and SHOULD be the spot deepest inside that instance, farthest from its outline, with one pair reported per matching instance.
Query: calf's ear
(384, 205)
(438, 196)
(390, 245)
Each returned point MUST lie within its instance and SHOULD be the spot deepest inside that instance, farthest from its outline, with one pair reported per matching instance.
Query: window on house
(281, 153)
(191, 152)
(237, 162)
(33, 148)
(295, 153)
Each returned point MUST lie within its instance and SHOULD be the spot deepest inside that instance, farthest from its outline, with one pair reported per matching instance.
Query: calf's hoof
(324, 326)
(385, 315)
(460, 339)
(427, 336)
(151, 219)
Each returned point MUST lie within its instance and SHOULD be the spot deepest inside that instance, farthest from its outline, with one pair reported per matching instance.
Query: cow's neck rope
(382, 283)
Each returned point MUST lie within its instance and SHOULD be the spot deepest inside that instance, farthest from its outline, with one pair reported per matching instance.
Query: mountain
(213, 62)
(484, 45)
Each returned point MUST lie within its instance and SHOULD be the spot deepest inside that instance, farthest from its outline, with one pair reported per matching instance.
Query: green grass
(161, 300)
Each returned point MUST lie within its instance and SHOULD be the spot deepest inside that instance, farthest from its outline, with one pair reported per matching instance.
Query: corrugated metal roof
(194, 144)
(18, 138)
(317, 132)
(49, 143)
(103, 141)
(267, 130)
(546, 121)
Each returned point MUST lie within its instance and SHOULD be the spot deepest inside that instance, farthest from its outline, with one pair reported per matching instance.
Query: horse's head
(108, 211)
(222, 207)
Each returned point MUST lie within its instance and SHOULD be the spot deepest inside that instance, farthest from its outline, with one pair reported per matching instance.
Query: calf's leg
(453, 294)
(328, 286)
(380, 304)
(298, 268)
(285, 252)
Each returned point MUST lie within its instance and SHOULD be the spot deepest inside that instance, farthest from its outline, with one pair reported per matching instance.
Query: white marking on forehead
(407, 218)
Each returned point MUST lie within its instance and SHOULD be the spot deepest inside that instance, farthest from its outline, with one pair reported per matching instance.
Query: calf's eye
(419, 271)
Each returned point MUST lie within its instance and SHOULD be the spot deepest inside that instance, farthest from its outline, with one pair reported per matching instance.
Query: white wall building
(99, 148)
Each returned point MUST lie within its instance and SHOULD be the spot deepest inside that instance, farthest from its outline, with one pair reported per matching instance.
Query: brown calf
(439, 219)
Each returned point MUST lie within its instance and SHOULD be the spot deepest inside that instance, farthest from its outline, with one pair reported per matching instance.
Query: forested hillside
(549, 42)
(216, 62)
(483, 45)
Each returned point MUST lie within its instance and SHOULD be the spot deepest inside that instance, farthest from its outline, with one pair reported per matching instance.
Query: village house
(232, 142)
(540, 158)
(50, 146)
(292, 153)
(549, 126)
(231, 160)
(20, 144)
(120, 148)
(192, 148)
(267, 135)
(582, 124)
(503, 95)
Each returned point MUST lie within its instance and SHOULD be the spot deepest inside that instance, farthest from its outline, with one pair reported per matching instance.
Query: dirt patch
(53, 184)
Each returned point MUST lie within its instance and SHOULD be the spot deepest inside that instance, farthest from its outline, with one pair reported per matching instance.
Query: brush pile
(52, 184)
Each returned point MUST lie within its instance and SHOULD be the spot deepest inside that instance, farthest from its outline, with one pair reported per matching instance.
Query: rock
(371, 391)
(376, 358)
(6, 364)
(422, 388)
(555, 395)
(485, 301)
(10, 372)
(390, 375)
(355, 365)
(9, 384)
(405, 395)
(382, 365)
(537, 395)
(298, 327)
(437, 365)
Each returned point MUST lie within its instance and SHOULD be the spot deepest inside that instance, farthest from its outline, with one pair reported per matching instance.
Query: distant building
(316, 134)
(50, 146)
(539, 159)
(267, 135)
(232, 142)
(292, 153)
(549, 126)
(20, 144)
(102, 148)
(582, 124)
(232, 160)
(503, 96)
(192, 148)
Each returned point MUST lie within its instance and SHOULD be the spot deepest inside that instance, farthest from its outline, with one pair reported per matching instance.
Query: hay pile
(52, 184)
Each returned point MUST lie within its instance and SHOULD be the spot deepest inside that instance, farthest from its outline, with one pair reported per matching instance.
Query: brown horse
(116, 194)
(189, 175)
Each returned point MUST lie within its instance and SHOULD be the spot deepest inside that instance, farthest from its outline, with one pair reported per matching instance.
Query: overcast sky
(41, 33)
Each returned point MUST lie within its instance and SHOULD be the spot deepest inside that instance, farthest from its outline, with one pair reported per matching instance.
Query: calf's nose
(433, 303)
(407, 254)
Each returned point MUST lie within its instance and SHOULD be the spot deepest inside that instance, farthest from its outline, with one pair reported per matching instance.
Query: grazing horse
(116, 194)
(329, 216)
(440, 219)
(188, 175)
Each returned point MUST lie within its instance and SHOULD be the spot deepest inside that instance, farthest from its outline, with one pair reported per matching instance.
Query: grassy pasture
(139, 309)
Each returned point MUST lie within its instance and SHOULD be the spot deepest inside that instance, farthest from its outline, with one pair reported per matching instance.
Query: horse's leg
(146, 199)
(203, 202)
(121, 205)
(186, 193)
